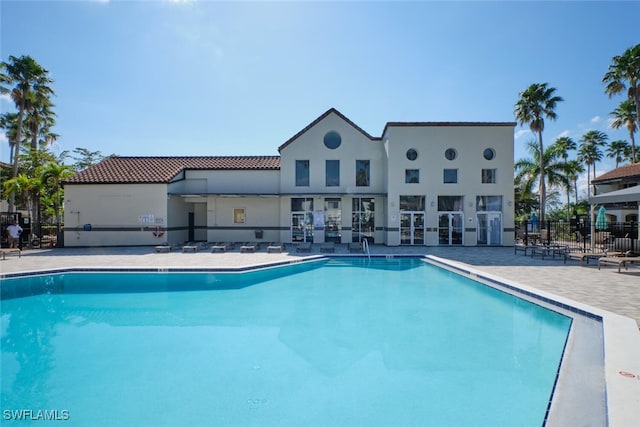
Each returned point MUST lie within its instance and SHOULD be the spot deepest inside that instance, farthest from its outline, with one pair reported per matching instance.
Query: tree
(589, 152)
(561, 148)
(85, 158)
(618, 150)
(9, 122)
(537, 102)
(573, 170)
(39, 121)
(624, 73)
(27, 189)
(528, 170)
(25, 80)
(626, 115)
(52, 175)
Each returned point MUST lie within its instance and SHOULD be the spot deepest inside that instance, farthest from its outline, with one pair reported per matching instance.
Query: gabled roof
(322, 117)
(131, 170)
(622, 173)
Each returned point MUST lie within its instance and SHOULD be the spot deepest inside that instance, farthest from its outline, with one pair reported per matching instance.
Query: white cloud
(610, 121)
(520, 133)
(5, 98)
(595, 119)
(563, 134)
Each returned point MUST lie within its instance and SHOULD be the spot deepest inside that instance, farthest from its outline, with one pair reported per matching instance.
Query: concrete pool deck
(606, 293)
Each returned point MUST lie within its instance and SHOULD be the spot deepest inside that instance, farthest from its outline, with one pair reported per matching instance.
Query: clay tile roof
(131, 170)
(631, 171)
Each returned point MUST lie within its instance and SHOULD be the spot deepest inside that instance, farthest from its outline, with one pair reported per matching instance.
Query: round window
(332, 140)
(412, 154)
(489, 154)
(450, 154)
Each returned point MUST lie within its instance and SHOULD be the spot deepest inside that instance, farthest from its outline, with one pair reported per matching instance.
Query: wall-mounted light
(509, 203)
(433, 203)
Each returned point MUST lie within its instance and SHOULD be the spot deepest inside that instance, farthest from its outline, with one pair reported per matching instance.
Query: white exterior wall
(116, 212)
(228, 182)
(310, 146)
(261, 213)
(431, 142)
(119, 214)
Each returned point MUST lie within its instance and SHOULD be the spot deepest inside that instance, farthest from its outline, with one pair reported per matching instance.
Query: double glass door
(411, 228)
(450, 228)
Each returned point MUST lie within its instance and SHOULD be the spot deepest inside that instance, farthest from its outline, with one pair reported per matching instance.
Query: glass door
(412, 228)
(302, 227)
(489, 228)
(450, 231)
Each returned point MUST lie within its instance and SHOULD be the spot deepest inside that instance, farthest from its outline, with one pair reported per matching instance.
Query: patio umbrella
(601, 219)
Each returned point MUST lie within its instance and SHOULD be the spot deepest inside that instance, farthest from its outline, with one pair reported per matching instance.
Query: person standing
(14, 231)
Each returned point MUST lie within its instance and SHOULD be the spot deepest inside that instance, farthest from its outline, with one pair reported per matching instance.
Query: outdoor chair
(303, 247)
(328, 247)
(249, 247)
(586, 256)
(8, 251)
(620, 261)
(222, 246)
(275, 247)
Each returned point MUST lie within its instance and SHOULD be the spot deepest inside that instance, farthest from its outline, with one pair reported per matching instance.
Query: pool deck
(606, 293)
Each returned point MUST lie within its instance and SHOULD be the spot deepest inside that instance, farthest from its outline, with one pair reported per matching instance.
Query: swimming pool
(338, 342)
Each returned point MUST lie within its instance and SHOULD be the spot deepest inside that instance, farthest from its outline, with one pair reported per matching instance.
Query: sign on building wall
(238, 216)
(150, 219)
(147, 218)
(318, 219)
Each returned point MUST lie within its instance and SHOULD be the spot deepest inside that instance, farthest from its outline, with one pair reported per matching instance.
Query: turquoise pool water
(327, 343)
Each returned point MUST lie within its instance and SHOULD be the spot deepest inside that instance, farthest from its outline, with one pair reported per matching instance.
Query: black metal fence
(579, 235)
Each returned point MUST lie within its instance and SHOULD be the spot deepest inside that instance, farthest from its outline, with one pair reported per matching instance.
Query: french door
(302, 227)
(450, 228)
(489, 228)
(411, 228)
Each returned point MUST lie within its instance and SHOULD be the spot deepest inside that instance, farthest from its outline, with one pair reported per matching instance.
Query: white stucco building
(419, 183)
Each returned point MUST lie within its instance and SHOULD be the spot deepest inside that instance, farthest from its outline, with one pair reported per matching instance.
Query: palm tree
(25, 80)
(39, 121)
(27, 189)
(595, 138)
(589, 153)
(626, 115)
(573, 169)
(53, 174)
(536, 102)
(617, 150)
(561, 148)
(9, 122)
(624, 73)
(528, 170)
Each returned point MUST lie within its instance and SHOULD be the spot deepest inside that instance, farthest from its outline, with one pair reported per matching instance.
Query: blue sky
(240, 78)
